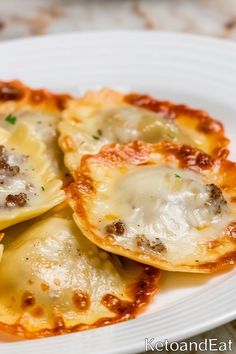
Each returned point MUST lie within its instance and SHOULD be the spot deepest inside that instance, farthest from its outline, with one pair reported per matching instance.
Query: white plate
(190, 69)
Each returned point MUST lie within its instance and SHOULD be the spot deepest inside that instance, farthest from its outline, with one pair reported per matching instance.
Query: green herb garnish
(43, 189)
(11, 119)
(177, 176)
(95, 137)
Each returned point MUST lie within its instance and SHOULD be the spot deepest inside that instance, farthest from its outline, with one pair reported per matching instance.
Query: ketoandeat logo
(208, 345)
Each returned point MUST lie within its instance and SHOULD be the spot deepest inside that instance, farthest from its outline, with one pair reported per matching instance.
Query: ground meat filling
(156, 246)
(16, 200)
(7, 172)
(5, 168)
(116, 228)
(216, 198)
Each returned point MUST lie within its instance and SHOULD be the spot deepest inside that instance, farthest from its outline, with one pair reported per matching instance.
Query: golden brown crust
(14, 95)
(85, 118)
(195, 127)
(140, 292)
(139, 153)
(206, 123)
(200, 120)
(35, 106)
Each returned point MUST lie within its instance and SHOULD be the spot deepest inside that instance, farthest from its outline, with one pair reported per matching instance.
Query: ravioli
(53, 280)
(28, 187)
(107, 116)
(166, 205)
(40, 109)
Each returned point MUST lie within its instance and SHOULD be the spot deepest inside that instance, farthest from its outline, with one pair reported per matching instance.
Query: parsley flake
(11, 119)
(95, 137)
(43, 189)
(177, 176)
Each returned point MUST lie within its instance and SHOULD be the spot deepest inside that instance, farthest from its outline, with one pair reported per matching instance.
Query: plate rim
(122, 32)
(130, 346)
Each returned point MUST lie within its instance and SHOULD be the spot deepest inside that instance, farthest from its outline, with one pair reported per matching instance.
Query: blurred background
(21, 18)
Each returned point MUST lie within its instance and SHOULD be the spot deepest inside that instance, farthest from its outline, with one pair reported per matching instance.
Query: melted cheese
(25, 181)
(44, 127)
(31, 189)
(164, 205)
(58, 280)
(38, 108)
(115, 125)
(125, 124)
(106, 117)
(136, 201)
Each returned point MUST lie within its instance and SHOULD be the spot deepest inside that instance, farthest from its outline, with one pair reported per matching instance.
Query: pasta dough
(107, 116)
(53, 281)
(170, 206)
(28, 187)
